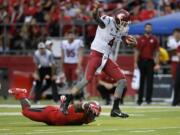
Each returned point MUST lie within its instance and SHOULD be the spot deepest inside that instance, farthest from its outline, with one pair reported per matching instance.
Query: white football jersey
(106, 37)
(71, 50)
(172, 44)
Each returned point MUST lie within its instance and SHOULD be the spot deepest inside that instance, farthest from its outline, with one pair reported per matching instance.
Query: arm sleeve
(81, 43)
(102, 22)
(52, 58)
(105, 19)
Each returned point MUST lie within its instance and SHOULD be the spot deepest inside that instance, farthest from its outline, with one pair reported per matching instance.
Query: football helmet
(122, 19)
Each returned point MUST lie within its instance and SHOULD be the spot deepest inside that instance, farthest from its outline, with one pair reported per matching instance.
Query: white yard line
(139, 114)
(132, 130)
(10, 114)
(19, 113)
(108, 107)
(108, 114)
(142, 131)
(4, 129)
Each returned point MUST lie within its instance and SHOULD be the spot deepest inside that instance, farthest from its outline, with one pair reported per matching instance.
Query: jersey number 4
(111, 42)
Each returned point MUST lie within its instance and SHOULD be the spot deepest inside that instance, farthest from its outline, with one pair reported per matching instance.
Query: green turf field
(149, 120)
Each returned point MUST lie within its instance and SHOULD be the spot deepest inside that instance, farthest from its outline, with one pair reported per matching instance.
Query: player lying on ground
(81, 113)
(110, 30)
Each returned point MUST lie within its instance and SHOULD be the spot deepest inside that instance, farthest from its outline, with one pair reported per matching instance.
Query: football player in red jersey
(80, 113)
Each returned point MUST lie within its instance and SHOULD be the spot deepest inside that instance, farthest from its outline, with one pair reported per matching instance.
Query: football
(130, 40)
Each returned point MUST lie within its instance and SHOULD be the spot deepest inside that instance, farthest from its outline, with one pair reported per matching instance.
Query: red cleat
(18, 93)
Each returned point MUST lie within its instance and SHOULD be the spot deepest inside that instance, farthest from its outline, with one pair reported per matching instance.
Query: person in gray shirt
(45, 70)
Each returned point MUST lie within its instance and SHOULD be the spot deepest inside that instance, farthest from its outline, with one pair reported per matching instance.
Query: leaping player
(110, 30)
(80, 113)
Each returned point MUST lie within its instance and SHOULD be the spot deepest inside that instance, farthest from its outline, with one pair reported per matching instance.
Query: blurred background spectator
(25, 23)
(34, 20)
(172, 44)
(147, 60)
(176, 100)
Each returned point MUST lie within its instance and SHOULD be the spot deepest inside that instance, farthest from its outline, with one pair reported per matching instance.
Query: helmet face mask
(122, 20)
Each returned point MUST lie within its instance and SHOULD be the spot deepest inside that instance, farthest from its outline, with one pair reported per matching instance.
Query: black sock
(116, 103)
(69, 98)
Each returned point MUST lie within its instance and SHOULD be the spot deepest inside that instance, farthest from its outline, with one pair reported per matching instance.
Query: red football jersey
(56, 117)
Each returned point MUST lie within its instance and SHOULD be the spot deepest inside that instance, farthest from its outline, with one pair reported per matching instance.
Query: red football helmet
(122, 18)
(95, 108)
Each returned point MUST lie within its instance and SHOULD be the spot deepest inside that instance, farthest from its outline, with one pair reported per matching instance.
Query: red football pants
(70, 71)
(111, 68)
(35, 115)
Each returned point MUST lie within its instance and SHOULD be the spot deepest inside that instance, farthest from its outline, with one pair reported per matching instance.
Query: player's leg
(37, 90)
(114, 71)
(93, 63)
(67, 72)
(21, 95)
(74, 76)
(123, 95)
(142, 68)
(149, 88)
(27, 111)
(105, 93)
(35, 114)
(46, 86)
(176, 99)
(54, 91)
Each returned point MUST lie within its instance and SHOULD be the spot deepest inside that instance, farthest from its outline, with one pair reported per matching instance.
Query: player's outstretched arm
(97, 17)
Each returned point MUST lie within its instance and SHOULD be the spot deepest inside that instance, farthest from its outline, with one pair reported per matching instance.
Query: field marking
(103, 106)
(4, 129)
(108, 114)
(10, 114)
(142, 131)
(19, 114)
(134, 130)
(139, 114)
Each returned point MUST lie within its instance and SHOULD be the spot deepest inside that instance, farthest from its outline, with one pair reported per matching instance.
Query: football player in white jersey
(110, 30)
(172, 44)
(71, 50)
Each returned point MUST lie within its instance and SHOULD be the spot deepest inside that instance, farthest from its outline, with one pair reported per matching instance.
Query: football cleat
(19, 93)
(118, 113)
(64, 105)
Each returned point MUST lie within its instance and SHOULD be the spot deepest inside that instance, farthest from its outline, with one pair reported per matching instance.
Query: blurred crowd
(24, 23)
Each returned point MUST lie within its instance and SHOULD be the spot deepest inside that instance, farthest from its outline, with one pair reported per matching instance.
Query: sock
(116, 103)
(25, 103)
(69, 98)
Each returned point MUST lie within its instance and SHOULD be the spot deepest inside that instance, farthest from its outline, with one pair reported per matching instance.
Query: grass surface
(149, 120)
